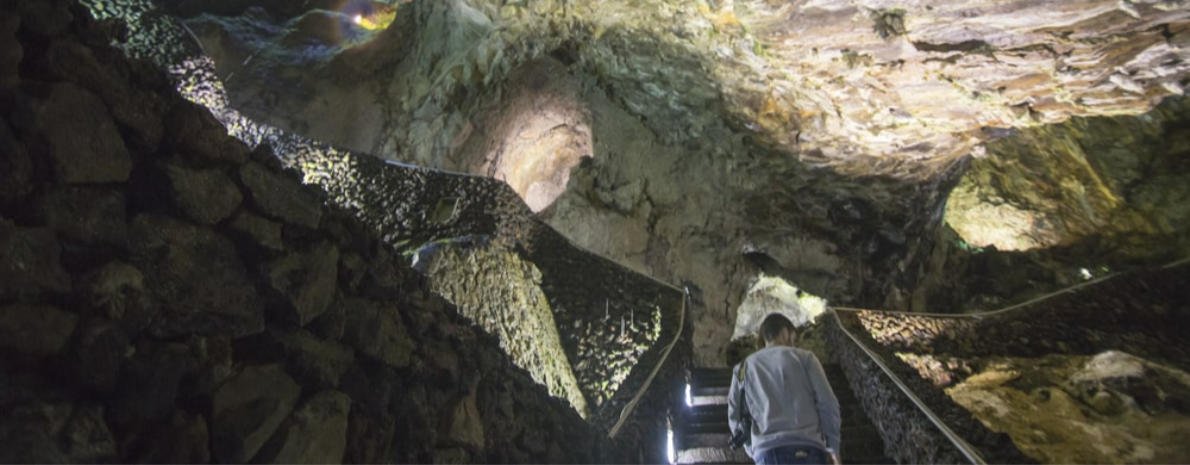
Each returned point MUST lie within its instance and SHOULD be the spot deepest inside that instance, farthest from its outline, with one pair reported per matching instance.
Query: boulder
(205, 196)
(197, 278)
(315, 433)
(139, 111)
(81, 137)
(47, 18)
(263, 232)
(149, 385)
(376, 330)
(183, 439)
(370, 436)
(305, 280)
(29, 262)
(310, 358)
(11, 51)
(247, 410)
(16, 169)
(35, 330)
(30, 433)
(86, 437)
(197, 133)
(89, 215)
(462, 425)
(117, 291)
(98, 353)
(279, 197)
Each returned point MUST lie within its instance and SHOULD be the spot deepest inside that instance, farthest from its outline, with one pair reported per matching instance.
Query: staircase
(701, 432)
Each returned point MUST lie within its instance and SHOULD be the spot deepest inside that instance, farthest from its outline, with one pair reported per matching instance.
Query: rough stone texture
(315, 433)
(11, 52)
(81, 137)
(502, 294)
(117, 291)
(1031, 374)
(1116, 180)
(29, 262)
(825, 133)
(247, 410)
(206, 196)
(1134, 408)
(311, 358)
(35, 330)
(305, 280)
(16, 169)
(184, 439)
(261, 231)
(198, 278)
(376, 330)
(197, 133)
(166, 392)
(280, 197)
(86, 214)
(462, 425)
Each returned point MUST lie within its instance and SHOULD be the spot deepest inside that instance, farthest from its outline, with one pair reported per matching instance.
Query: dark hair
(772, 326)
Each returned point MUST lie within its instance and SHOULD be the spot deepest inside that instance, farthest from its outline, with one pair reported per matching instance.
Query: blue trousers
(790, 455)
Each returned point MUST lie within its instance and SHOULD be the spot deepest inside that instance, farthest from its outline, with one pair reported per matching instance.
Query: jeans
(789, 455)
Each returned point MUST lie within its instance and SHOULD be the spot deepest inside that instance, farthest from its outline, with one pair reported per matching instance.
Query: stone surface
(86, 214)
(315, 433)
(261, 231)
(33, 330)
(11, 52)
(197, 277)
(199, 134)
(81, 136)
(376, 329)
(16, 169)
(1083, 397)
(183, 439)
(462, 425)
(117, 291)
(29, 262)
(306, 281)
(311, 358)
(500, 292)
(149, 384)
(280, 197)
(247, 410)
(86, 437)
(206, 196)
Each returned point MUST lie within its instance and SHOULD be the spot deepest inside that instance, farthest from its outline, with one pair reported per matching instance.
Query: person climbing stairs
(701, 432)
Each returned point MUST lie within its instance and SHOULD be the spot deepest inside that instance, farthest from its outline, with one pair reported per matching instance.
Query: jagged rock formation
(825, 134)
(169, 295)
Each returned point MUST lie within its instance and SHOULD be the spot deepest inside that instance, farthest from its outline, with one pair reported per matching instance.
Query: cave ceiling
(823, 134)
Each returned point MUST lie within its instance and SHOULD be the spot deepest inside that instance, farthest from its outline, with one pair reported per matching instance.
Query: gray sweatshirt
(790, 400)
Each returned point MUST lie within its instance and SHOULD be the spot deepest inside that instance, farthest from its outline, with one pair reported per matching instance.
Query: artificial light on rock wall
(770, 294)
(536, 156)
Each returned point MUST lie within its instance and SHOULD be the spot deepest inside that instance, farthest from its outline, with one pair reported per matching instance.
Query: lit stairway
(701, 432)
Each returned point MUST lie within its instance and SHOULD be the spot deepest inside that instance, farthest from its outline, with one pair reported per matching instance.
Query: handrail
(959, 443)
(636, 399)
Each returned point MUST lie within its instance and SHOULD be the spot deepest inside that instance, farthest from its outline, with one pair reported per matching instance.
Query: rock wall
(168, 294)
(502, 293)
(1103, 366)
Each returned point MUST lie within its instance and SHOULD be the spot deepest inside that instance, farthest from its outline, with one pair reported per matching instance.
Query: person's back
(795, 412)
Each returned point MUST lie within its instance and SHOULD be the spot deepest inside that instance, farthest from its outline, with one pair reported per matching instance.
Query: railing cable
(959, 442)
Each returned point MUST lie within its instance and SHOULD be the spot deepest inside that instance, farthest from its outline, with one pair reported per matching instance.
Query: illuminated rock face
(826, 134)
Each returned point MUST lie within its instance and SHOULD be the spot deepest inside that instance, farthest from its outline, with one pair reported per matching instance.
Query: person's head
(776, 329)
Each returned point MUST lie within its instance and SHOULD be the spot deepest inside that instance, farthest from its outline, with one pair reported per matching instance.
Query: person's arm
(733, 407)
(828, 405)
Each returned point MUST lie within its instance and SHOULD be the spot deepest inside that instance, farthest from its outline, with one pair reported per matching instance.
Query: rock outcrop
(180, 298)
